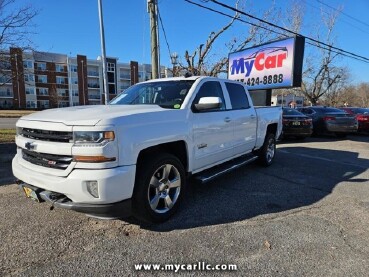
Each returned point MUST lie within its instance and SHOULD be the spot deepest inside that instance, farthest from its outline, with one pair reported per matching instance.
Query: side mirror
(208, 103)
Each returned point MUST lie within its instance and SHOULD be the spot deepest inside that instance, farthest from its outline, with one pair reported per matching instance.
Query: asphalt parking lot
(306, 215)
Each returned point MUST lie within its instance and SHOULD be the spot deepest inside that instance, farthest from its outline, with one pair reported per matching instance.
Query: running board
(214, 172)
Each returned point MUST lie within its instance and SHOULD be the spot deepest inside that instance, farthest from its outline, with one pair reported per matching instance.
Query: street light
(174, 61)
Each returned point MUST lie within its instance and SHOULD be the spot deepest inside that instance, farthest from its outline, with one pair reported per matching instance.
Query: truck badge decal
(29, 145)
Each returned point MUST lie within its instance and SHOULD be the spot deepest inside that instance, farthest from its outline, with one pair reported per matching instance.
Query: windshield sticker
(177, 106)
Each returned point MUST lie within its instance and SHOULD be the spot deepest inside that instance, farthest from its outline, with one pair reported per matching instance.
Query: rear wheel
(159, 188)
(267, 151)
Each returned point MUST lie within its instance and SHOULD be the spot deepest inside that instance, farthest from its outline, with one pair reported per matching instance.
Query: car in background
(296, 124)
(362, 117)
(330, 120)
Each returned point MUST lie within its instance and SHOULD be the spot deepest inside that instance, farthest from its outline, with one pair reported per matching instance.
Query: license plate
(30, 193)
(296, 123)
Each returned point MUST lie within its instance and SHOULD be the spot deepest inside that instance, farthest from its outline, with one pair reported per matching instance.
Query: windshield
(166, 94)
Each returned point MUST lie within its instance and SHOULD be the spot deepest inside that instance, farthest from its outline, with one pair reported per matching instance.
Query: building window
(43, 104)
(74, 80)
(29, 77)
(28, 64)
(43, 91)
(41, 66)
(61, 80)
(42, 79)
(62, 104)
(62, 92)
(75, 103)
(30, 90)
(31, 104)
(59, 68)
(74, 92)
(73, 68)
(111, 67)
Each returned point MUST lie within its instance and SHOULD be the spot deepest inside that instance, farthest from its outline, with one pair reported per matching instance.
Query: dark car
(296, 124)
(362, 117)
(330, 120)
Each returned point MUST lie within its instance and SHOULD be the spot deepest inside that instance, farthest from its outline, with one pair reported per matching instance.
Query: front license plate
(30, 193)
(296, 123)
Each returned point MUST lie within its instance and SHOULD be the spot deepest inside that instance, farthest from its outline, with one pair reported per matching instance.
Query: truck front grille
(46, 135)
(47, 160)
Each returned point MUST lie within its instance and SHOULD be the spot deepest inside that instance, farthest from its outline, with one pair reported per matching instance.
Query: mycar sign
(277, 64)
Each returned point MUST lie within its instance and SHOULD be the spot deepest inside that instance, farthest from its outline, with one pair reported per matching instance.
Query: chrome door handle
(227, 119)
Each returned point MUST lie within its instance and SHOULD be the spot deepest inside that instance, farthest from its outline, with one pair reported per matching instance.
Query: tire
(267, 151)
(159, 188)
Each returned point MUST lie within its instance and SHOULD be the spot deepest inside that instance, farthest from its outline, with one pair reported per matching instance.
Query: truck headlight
(93, 137)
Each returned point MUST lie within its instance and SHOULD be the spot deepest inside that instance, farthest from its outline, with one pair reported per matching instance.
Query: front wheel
(267, 151)
(159, 188)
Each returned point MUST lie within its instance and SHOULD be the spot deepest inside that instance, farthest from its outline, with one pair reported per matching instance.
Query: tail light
(285, 121)
(329, 118)
(362, 118)
(308, 121)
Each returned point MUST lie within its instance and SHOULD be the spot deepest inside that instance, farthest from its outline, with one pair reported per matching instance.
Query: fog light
(93, 188)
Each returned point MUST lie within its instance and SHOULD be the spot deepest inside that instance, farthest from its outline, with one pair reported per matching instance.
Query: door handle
(252, 116)
(227, 119)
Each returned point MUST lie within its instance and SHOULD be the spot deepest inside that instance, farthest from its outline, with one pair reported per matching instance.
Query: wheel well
(176, 148)
(272, 128)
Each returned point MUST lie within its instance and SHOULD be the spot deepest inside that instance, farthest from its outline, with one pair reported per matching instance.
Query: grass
(7, 135)
(14, 113)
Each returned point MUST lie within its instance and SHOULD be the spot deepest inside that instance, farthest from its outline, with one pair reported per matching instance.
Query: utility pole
(153, 11)
(103, 53)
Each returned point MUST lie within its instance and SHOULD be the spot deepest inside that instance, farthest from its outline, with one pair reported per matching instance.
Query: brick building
(30, 80)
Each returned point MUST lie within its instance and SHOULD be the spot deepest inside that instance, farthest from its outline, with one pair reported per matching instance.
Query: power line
(349, 23)
(162, 27)
(349, 16)
(316, 44)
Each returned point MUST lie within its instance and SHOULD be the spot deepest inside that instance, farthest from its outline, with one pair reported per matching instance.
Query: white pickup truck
(135, 155)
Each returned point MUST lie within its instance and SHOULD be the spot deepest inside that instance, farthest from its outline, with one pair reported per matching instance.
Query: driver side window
(211, 89)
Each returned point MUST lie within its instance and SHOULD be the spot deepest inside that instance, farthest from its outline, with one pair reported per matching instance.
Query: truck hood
(89, 115)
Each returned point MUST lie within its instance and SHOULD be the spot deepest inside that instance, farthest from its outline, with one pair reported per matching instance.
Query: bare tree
(202, 62)
(322, 77)
(16, 27)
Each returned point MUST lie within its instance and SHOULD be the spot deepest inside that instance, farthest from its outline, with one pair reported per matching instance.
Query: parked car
(296, 124)
(330, 120)
(362, 117)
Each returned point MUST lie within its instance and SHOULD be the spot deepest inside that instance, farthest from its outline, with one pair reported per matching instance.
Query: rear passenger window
(238, 96)
(210, 89)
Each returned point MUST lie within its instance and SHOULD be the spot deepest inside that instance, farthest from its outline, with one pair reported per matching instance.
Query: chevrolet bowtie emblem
(29, 145)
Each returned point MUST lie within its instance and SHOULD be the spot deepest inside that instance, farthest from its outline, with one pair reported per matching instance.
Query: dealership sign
(277, 64)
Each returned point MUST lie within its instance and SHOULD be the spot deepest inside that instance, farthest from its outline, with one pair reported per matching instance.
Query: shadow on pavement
(7, 152)
(293, 181)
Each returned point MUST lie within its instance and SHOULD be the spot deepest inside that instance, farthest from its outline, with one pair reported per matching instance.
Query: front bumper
(114, 186)
(112, 210)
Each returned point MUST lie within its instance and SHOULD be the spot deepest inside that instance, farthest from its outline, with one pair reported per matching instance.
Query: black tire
(267, 151)
(153, 184)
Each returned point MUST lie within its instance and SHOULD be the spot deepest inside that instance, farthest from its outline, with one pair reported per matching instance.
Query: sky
(72, 27)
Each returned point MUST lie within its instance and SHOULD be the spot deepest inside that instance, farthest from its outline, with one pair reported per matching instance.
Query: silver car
(330, 120)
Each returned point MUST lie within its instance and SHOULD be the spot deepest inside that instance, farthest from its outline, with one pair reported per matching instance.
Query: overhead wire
(317, 42)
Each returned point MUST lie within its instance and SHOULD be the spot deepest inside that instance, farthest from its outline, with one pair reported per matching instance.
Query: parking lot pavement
(306, 215)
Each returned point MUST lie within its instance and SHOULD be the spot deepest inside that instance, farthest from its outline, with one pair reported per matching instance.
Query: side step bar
(212, 173)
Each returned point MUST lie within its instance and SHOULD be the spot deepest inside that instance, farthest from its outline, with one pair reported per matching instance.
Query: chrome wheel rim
(270, 150)
(164, 188)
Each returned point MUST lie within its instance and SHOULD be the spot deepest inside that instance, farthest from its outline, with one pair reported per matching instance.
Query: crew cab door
(212, 129)
(244, 119)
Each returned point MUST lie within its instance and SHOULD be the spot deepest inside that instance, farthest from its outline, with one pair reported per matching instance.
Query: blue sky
(72, 27)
